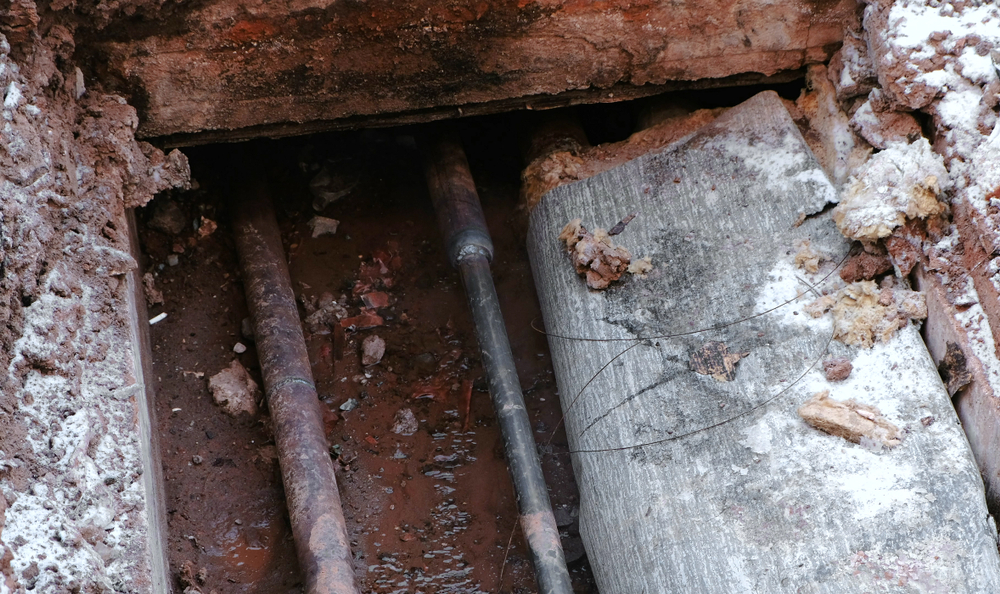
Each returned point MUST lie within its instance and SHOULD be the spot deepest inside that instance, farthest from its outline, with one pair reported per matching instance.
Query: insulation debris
(715, 359)
(899, 183)
(594, 255)
(855, 422)
(863, 313)
(807, 258)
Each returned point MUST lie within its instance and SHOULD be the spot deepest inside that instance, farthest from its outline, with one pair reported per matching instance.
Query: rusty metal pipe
(470, 249)
(306, 468)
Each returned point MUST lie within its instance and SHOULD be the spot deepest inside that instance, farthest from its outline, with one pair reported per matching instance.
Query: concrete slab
(691, 484)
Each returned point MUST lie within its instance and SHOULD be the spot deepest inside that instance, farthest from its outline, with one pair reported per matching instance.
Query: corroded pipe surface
(306, 468)
(469, 248)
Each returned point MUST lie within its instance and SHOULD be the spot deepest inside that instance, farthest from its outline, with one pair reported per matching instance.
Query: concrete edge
(152, 464)
(977, 404)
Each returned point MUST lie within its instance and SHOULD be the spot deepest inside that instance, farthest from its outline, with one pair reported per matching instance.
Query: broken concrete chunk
(323, 226)
(168, 217)
(901, 182)
(372, 350)
(234, 390)
(594, 255)
(715, 359)
(855, 422)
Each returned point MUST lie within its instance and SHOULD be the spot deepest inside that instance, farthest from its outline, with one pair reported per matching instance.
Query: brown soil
(429, 512)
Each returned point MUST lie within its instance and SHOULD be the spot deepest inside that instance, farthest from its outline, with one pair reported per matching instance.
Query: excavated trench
(418, 453)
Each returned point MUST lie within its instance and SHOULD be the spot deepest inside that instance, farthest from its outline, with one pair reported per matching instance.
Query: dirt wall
(73, 510)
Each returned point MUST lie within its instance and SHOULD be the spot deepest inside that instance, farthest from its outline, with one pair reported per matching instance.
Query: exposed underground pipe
(306, 468)
(470, 249)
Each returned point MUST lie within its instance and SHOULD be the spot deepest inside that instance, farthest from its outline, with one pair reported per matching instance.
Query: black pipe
(470, 250)
(306, 468)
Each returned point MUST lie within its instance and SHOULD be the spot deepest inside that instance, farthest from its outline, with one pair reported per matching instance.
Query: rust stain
(540, 531)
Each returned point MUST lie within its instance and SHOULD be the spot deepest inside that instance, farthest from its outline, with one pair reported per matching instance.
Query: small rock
(207, 227)
(168, 217)
(372, 350)
(323, 226)
(565, 515)
(405, 422)
(327, 187)
(197, 460)
(837, 369)
(173, 260)
(234, 390)
(246, 329)
(153, 295)
(239, 348)
(350, 405)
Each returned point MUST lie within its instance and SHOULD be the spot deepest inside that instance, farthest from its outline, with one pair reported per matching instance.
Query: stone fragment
(405, 422)
(372, 350)
(246, 329)
(168, 217)
(234, 390)
(375, 299)
(323, 226)
(327, 187)
(153, 295)
(239, 348)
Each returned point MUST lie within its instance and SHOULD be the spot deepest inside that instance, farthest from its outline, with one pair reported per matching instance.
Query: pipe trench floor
(427, 512)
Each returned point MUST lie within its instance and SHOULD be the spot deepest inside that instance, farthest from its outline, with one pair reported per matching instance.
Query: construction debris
(863, 313)
(855, 422)
(234, 390)
(715, 359)
(595, 256)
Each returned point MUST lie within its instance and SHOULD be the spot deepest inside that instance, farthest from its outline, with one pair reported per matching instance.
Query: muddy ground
(431, 511)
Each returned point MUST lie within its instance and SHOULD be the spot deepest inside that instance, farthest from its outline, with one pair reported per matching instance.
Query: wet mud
(420, 464)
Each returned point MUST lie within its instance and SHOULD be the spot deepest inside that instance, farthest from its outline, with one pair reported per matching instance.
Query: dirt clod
(870, 262)
(855, 422)
(837, 369)
(168, 217)
(234, 390)
(153, 295)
